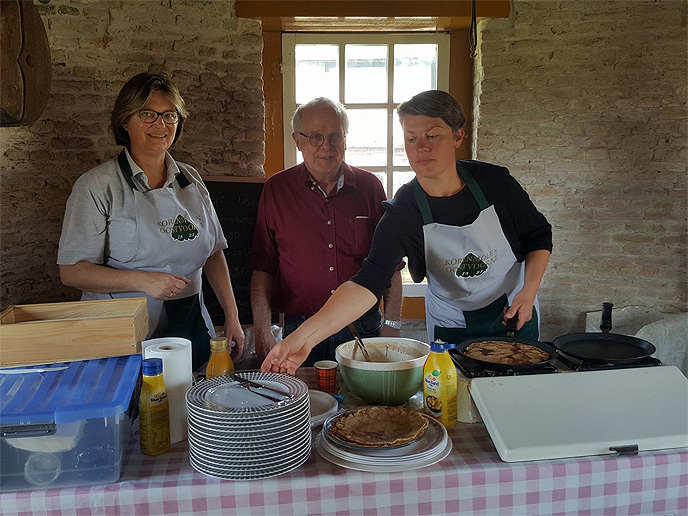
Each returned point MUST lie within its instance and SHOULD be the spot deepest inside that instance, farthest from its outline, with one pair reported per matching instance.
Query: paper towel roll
(177, 375)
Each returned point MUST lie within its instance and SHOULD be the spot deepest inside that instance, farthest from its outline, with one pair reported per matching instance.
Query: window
(370, 74)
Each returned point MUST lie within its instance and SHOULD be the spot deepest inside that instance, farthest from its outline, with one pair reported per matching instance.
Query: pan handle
(606, 323)
(511, 325)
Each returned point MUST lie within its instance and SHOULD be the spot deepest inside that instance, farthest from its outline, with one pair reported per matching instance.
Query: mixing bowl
(394, 373)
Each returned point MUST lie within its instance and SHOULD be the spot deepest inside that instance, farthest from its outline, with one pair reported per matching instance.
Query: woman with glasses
(466, 226)
(143, 224)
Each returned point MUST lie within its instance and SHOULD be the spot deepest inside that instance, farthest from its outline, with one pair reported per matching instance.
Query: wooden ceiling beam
(368, 8)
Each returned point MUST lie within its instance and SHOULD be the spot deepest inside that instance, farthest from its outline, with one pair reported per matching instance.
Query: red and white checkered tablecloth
(471, 480)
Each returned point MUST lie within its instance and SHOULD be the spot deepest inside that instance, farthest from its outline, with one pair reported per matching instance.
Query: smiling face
(151, 139)
(430, 146)
(322, 162)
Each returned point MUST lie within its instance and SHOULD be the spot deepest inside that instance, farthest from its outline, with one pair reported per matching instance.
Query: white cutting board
(572, 414)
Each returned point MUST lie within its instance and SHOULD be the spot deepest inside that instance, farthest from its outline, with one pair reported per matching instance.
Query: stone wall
(96, 45)
(585, 102)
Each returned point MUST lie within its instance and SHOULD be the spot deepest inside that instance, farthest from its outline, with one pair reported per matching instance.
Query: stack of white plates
(433, 446)
(237, 434)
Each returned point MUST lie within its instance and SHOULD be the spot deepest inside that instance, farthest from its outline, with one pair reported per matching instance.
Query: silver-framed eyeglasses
(150, 116)
(317, 139)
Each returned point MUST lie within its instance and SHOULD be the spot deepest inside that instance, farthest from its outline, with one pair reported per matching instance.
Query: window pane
(365, 77)
(401, 178)
(316, 69)
(366, 143)
(415, 70)
(399, 159)
(382, 176)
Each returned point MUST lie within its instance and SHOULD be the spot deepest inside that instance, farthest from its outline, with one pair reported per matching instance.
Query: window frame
(291, 39)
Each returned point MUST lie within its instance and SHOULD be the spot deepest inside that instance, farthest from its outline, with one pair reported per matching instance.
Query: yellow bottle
(220, 362)
(440, 383)
(154, 410)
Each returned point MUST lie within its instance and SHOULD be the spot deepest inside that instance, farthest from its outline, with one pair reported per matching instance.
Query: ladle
(359, 342)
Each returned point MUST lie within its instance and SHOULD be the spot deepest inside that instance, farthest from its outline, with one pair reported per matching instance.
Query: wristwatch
(393, 324)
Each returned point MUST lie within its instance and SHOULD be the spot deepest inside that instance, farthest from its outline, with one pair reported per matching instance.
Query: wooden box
(80, 330)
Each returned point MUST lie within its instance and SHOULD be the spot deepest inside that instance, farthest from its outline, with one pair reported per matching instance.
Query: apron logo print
(471, 266)
(183, 229)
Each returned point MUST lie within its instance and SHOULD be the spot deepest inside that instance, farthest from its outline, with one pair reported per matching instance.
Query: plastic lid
(440, 346)
(218, 344)
(152, 367)
(68, 391)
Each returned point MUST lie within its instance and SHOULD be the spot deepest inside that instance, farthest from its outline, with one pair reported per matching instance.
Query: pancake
(503, 352)
(379, 427)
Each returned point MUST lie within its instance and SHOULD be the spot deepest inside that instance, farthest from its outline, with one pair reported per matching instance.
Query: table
(471, 480)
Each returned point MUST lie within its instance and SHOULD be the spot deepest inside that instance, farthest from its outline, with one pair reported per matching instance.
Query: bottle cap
(218, 344)
(439, 346)
(152, 366)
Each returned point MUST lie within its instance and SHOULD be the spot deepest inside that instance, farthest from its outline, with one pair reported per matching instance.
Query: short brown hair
(435, 104)
(134, 96)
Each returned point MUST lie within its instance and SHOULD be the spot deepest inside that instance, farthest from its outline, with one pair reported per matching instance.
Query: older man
(314, 227)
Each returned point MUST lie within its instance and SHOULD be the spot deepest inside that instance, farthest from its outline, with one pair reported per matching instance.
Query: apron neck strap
(126, 169)
(422, 198)
(472, 186)
(181, 178)
(422, 201)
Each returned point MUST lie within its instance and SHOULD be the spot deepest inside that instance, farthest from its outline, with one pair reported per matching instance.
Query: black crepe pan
(510, 329)
(605, 347)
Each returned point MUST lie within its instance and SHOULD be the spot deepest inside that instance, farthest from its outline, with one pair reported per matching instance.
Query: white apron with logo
(172, 229)
(467, 267)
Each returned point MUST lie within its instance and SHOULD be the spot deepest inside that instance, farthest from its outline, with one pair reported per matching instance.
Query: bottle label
(154, 422)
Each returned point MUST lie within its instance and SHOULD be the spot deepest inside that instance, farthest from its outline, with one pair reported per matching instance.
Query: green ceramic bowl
(394, 373)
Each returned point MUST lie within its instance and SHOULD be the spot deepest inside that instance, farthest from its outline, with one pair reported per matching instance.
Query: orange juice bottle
(440, 384)
(154, 409)
(220, 362)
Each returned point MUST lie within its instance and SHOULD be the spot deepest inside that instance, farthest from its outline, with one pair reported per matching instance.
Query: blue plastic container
(65, 424)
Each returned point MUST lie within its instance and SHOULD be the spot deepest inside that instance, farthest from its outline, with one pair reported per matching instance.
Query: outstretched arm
(347, 304)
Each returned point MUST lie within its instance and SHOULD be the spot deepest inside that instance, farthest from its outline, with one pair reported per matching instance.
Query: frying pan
(510, 329)
(604, 347)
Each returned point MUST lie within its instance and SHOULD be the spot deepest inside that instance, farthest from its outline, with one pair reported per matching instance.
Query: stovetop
(474, 369)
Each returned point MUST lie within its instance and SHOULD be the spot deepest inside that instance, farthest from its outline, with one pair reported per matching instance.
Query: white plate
(323, 405)
(433, 440)
(219, 396)
(402, 466)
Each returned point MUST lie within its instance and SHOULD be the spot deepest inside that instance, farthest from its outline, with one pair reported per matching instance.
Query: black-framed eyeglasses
(317, 139)
(150, 116)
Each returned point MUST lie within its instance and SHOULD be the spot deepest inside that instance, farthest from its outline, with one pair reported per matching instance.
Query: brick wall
(585, 102)
(96, 45)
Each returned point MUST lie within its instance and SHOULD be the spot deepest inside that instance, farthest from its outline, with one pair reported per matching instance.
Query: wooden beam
(368, 8)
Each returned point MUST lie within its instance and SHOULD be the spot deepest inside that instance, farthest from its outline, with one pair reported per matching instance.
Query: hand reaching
(286, 356)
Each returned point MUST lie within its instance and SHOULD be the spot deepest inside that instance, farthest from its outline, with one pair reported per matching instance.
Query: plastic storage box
(65, 424)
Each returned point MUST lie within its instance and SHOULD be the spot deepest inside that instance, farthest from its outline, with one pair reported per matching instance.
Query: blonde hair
(134, 96)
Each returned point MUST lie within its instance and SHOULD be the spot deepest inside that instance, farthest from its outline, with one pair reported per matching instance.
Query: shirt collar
(346, 178)
(142, 179)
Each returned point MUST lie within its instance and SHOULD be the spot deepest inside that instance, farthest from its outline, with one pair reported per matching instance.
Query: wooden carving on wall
(25, 63)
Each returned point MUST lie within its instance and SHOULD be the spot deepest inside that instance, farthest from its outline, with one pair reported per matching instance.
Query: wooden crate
(80, 330)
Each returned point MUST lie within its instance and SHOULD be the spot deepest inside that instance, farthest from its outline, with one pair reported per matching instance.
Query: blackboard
(236, 203)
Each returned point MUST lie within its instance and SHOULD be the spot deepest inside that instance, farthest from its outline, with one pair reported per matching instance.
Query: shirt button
(329, 222)
(330, 246)
(331, 291)
(331, 269)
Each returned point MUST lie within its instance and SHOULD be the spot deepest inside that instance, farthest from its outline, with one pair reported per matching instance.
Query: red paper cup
(325, 375)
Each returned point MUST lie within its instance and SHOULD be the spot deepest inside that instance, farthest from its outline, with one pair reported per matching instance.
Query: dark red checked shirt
(310, 243)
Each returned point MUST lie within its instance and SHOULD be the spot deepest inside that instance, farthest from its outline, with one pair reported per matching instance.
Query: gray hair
(320, 101)
(435, 104)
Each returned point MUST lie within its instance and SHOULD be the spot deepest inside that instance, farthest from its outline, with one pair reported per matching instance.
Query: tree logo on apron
(471, 266)
(183, 229)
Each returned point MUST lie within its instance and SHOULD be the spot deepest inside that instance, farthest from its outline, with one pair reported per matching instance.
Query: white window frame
(289, 42)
